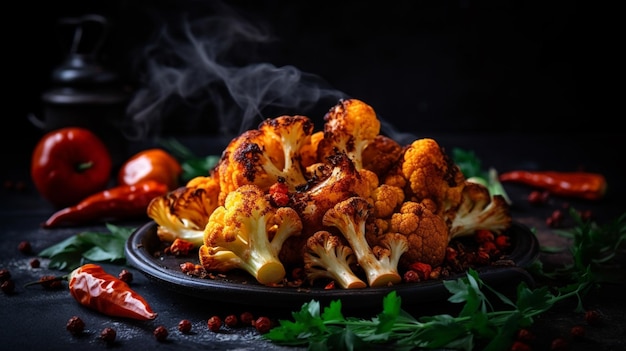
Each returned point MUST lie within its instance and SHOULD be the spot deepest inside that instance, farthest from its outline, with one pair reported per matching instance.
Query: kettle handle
(79, 24)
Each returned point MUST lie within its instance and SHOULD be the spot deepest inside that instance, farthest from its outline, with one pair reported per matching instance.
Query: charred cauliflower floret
(349, 127)
(381, 154)
(261, 156)
(248, 233)
(427, 234)
(479, 210)
(326, 256)
(183, 213)
(380, 263)
(308, 152)
(426, 172)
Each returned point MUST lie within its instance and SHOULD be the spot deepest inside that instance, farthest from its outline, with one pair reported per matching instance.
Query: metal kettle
(83, 92)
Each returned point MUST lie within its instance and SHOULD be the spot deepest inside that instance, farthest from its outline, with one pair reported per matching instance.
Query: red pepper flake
(180, 247)
(503, 242)
(422, 269)
(279, 193)
(482, 235)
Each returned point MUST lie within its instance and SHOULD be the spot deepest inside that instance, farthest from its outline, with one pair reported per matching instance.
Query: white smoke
(206, 63)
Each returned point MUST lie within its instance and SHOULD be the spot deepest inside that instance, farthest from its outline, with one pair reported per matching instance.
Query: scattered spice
(108, 335)
(25, 247)
(231, 321)
(592, 317)
(559, 344)
(8, 286)
(246, 318)
(214, 323)
(577, 332)
(537, 197)
(75, 325)
(520, 346)
(184, 326)
(5, 274)
(263, 324)
(125, 276)
(34, 263)
(160, 333)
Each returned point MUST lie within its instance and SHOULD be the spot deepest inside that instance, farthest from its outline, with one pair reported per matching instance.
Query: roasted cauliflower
(380, 263)
(247, 232)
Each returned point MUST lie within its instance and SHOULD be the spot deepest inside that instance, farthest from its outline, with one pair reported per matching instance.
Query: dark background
(425, 66)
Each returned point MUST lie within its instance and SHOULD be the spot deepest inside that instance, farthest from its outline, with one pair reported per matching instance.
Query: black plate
(239, 287)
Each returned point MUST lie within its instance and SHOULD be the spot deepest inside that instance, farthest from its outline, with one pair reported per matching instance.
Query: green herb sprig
(91, 246)
(472, 168)
(479, 322)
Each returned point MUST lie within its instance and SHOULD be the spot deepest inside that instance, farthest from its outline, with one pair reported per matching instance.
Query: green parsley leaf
(91, 246)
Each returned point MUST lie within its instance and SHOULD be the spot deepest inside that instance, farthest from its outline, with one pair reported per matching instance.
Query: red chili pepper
(591, 186)
(93, 287)
(124, 201)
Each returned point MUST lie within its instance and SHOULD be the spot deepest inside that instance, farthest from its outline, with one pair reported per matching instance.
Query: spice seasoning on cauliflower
(247, 232)
(380, 263)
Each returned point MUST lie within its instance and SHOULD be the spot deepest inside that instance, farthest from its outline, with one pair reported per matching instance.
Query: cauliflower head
(184, 212)
(479, 210)
(426, 232)
(248, 233)
(349, 127)
(425, 171)
(380, 263)
(326, 256)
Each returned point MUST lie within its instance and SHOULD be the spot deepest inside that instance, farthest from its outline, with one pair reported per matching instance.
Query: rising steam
(204, 63)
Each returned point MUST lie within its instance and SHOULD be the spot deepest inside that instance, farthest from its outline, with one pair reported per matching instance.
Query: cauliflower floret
(427, 233)
(326, 256)
(426, 172)
(349, 127)
(261, 156)
(385, 199)
(308, 152)
(381, 154)
(184, 212)
(247, 232)
(380, 263)
(479, 210)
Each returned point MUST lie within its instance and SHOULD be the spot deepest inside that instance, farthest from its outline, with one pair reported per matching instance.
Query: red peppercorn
(503, 242)
(246, 318)
(125, 276)
(577, 332)
(24, 247)
(411, 276)
(34, 263)
(108, 335)
(160, 333)
(184, 326)
(525, 335)
(231, 321)
(519, 346)
(5, 274)
(214, 323)
(592, 317)
(263, 324)
(483, 235)
(8, 286)
(559, 344)
(537, 197)
(75, 325)
(451, 254)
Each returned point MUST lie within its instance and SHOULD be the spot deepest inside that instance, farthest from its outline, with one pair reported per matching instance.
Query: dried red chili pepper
(93, 287)
(591, 186)
(124, 201)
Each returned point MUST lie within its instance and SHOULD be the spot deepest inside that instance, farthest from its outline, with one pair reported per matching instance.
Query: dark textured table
(34, 318)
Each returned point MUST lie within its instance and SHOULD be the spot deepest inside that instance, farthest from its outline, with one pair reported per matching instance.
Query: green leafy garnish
(91, 246)
(472, 168)
(478, 323)
(192, 165)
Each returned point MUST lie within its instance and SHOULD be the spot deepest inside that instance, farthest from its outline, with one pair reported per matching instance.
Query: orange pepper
(154, 164)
